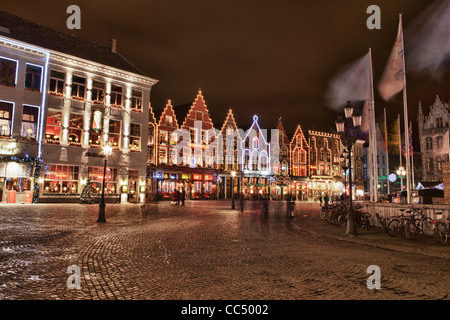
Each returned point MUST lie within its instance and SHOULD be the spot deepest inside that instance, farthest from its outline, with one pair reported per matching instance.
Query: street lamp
(344, 164)
(349, 128)
(233, 174)
(401, 173)
(107, 150)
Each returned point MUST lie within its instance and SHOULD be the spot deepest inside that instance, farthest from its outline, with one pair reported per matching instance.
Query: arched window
(254, 165)
(255, 143)
(263, 161)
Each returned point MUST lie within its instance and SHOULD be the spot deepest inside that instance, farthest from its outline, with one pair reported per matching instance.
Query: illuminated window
(8, 72)
(136, 100)
(33, 78)
(6, 110)
(114, 133)
(75, 129)
(30, 116)
(162, 156)
(60, 179)
(98, 92)
(56, 82)
(116, 96)
(53, 127)
(96, 177)
(135, 137)
(163, 137)
(78, 87)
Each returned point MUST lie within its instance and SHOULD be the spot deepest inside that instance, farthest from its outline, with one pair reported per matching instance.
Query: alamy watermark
(374, 281)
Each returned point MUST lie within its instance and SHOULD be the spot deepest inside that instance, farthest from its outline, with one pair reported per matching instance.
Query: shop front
(321, 186)
(279, 187)
(16, 181)
(255, 187)
(299, 189)
(198, 185)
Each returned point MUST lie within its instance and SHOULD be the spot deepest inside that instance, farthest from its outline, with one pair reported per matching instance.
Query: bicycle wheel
(409, 230)
(427, 227)
(341, 220)
(440, 232)
(394, 227)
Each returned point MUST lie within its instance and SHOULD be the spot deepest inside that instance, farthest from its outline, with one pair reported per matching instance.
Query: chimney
(113, 45)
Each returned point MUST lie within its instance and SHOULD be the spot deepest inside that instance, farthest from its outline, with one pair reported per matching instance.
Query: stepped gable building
(229, 155)
(324, 164)
(299, 164)
(187, 156)
(67, 98)
(280, 159)
(434, 139)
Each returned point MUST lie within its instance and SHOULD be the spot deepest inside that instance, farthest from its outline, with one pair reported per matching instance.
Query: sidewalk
(307, 219)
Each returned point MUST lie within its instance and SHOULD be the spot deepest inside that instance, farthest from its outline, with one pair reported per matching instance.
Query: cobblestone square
(206, 251)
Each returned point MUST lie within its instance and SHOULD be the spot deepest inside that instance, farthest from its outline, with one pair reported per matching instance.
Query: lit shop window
(18, 184)
(78, 88)
(6, 110)
(96, 178)
(30, 116)
(135, 137)
(98, 92)
(8, 72)
(96, 128)
(114, 134)
(136, 100)
(60, 179)
(56, 83)
(116, 96)
(75, 129)
(33, 77)
(53, 127)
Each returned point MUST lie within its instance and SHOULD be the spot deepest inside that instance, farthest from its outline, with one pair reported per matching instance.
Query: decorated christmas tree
(87, 193)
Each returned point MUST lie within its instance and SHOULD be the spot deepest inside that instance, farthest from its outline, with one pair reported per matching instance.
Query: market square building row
(63, 98)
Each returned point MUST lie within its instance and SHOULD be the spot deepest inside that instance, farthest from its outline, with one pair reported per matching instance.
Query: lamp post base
(101, 212)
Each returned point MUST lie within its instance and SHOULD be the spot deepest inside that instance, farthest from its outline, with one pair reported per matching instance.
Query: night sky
(271, 58)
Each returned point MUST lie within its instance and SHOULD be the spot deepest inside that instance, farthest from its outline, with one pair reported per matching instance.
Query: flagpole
(405, 116)
(412, 159)
(387, 152)
(372, 144)
(400, 149)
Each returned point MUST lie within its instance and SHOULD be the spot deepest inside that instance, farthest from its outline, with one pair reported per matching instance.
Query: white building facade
(65, 109)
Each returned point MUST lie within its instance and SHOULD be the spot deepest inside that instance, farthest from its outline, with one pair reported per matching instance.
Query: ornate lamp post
(349, 128)
(233, 174)
(344, 164)
(107, 150)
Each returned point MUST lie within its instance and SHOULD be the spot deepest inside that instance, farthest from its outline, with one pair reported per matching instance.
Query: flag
(427, 40)
(351, 83)
(392, 80)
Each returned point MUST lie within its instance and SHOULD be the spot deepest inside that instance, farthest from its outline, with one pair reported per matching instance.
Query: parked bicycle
(409, 226)
(442, 228)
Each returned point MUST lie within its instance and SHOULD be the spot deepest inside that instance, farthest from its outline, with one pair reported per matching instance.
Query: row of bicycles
(409, 223)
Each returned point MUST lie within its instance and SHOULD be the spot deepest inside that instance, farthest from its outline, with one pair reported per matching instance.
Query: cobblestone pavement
(206, 251)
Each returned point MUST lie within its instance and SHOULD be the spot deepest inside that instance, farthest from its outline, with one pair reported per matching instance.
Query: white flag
(428, 40)
(351, 83)
(392, 80)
